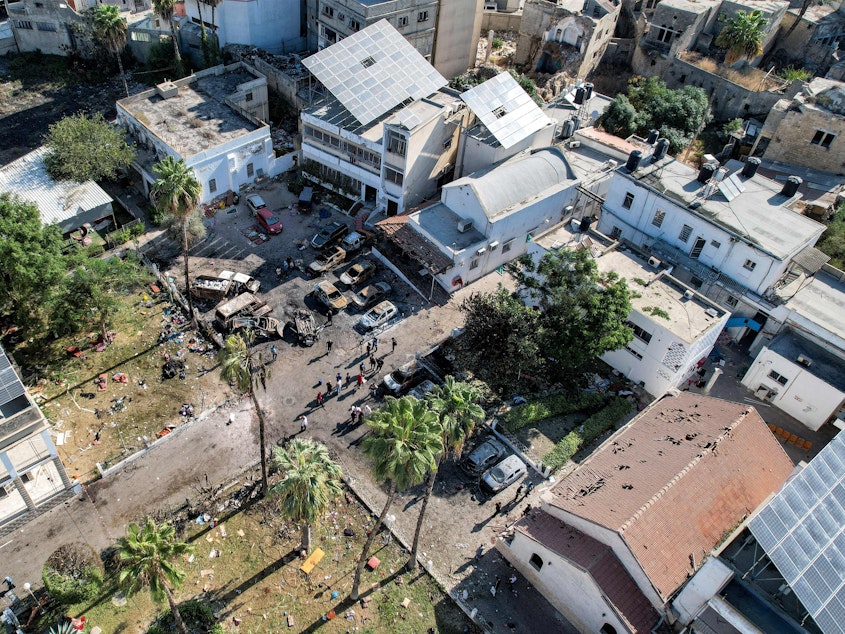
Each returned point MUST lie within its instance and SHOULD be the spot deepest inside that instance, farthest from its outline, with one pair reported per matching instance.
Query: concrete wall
(791, 139)
(475, 154)
(456, 40)
(706, 582)
(810, 45)
(560, 582)
(49, 28)
(805, 397)
(500, 22)
(273, 26)
(281, 83)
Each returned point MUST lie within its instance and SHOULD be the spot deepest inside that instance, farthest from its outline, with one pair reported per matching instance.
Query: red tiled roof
(599, 561)
(398, 230)
(676, 480)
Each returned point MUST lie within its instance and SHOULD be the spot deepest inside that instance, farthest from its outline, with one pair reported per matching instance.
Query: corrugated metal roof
(57, 201)
(811, 259)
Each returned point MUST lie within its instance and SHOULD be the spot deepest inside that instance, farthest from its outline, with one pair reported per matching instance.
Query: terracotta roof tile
(597, 559)
(675, 480)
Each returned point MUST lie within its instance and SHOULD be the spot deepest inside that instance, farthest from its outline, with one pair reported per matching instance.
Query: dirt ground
(542, 437)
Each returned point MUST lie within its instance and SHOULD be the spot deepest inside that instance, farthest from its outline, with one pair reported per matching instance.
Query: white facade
(791, 383)
(706, 583)
(272, 26)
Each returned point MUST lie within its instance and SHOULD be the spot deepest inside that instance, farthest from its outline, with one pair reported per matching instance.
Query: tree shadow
(227, 596)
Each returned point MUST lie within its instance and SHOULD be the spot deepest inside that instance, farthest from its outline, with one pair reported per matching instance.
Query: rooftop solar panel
(373, 71)
(802, 530)
(505, 109)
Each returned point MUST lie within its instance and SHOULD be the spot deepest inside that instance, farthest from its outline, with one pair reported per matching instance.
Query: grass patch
(591, 429)
(556, 405)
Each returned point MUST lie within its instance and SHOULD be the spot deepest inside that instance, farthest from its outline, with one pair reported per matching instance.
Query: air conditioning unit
(493, 245)
(464, 225)
(689, 294)
(804, 361)
(654, 263)
(574, 144)
(711, 312)
(481, 251)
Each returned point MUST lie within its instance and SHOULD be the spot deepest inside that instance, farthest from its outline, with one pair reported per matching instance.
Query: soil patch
(542, 437)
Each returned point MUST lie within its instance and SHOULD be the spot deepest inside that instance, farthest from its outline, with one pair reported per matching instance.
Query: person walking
(373, 391)
(361, 367)
(496, 585)
(498, 508)
(320, 399)
(519, 491)
(372, 361)
(375, 344)
(359, 415)
(273, 351)
(360, 379)
(329, 315)
(348, 380)
(367, 410)
(351, 414)
(329, 344)
(369, 347)
(393, 343)
(328, 389)
(379, 363)
(339, 386)
(527, 510)
(512, 582)
(303, 423)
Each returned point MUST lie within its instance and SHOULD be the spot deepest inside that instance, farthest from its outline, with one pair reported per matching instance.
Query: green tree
(620, 117)
(456, 406)
(93, 292)
(178, 192)
(584, 311)
(243, 365)
(742, 36)
(146, 555)
(311, 480)
(165, 9)
(31, 261)
(678, 114)
(500, 337)
(404, 445)
(82, 147)
(110, 29)
(832, 242)
(216, 43)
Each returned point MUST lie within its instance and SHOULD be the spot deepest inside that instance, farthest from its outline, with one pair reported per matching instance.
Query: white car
(394, 381)
(255, 202)
(504, 474)
(422, 389)
(379, 315)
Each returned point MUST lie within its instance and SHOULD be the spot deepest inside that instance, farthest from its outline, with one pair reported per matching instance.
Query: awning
(743, 322)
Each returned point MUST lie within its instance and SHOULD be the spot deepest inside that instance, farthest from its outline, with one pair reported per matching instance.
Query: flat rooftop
(196, 119)
(688, 318)
(692, 6)
(822, 302)
(824, 366)
(759, 214)
(441, 223)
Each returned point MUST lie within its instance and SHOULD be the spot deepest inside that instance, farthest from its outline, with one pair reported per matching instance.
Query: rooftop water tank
(661, 149)
(750, 167)
(706, 172)
(790, 187)
(634, 159)
(579, 95)
(653, 135)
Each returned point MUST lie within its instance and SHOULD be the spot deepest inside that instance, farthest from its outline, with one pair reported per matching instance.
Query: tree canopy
(82, 147)
(742, 36)
(110, 28)
(678, 114)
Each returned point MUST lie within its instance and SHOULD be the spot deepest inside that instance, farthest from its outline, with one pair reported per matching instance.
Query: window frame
(685, 234)
(628, 200)
(777, 377)
(422, 16)
(533, 561)
(659, 217)
(749, 265)
(212, 185)
(639, 332)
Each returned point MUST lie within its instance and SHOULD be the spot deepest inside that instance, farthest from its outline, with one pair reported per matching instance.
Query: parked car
(329, 234)
(269, 221)
(394, 381)
(358, 273)
(356, 240)
(379, 315)
(327, 261)
(422, 389)
(503, 474)
(327, 293)
(255, 202)
(371, 294)
(487, 454)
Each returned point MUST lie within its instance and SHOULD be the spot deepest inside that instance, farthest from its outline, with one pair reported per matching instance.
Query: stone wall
(500, 22)
(791, 140)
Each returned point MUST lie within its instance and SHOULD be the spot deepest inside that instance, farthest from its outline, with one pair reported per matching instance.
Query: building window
(749, 265)
(715, 244)
(354, 25)
(616, 233)
(823, 138)
(634, 352)
(607, 628)
(639, 333)
(46, 26)
(596, 12)
(731, 301)
(392, 176)
(422, 16)
(341, 16)
(686, 232)
(248, 96)
(696, 282)
(328, 11)
(396, 143)
(682, 78)
(367, 62)
(507, 246)
(658, 218)
(778, 377)
(139, 37)
(212, 185)
(23, 24)
(39, 5)
(447, 143)
(536, 561)
(473, 264)
(629, 200)
(403, 21)
(663, 34)
(250, 169)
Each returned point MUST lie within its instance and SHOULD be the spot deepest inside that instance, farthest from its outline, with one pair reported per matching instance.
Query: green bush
(296, 185)
(557, 405)
(136, 230)
(591, 429)
(195, 614)
(94, 250)
(73, 573)
(497, 43)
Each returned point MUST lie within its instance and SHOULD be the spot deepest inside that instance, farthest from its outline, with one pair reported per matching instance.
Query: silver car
(504, 474)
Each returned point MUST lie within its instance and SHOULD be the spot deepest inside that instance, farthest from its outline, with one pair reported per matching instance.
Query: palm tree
(203, 36)
(165, 9)
(404, 445)
(742, 35)
(214, 4)
(242, 364)
(146, 554)
(177, 192)
(111, 29)
(456, 405)
(311, 481)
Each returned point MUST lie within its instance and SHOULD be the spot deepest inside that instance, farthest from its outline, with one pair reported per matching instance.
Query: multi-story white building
(386, 130)
(214, 120)
(32, 475)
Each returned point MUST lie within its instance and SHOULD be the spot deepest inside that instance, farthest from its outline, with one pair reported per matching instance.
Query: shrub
(195, 614)
(94, 250)
(497, 43)
(136, 229)
(73, 573)
(296, 185)
(591, 429)
(556, 405)
(791, 73)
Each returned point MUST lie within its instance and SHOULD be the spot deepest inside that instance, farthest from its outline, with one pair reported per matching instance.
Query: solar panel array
(10, 385)
(373, 71)
(505, 109)
(731, 187)
(802, 531)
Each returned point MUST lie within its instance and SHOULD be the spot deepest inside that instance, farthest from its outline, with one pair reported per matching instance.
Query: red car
(268, 220)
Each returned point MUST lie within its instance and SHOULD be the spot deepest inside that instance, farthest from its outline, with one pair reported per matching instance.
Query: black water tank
(750, 167)
(653, 135)
(568, 129)
(576, 121)
(579, 95)
(706, 172)
(588, 88)
(634, 159)
(586, 221)
(790, 187)
(660, 150)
